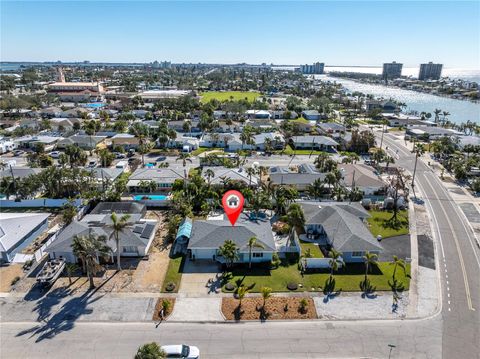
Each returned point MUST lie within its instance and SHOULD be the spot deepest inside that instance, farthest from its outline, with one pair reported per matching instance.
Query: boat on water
(51, 271)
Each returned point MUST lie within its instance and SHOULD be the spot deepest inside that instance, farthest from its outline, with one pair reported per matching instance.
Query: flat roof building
(430, 71)
(392, 70)
(316, 68)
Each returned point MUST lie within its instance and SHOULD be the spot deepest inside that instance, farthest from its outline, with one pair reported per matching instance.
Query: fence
(40, 252)
(37, 203)
(318, 263)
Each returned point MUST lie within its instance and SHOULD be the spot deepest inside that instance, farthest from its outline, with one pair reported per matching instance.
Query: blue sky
(337, 33)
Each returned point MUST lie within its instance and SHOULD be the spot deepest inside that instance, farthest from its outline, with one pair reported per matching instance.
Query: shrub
(166, 305)
(303, 305)
(292, 286)
(276, 260)
(170, 287)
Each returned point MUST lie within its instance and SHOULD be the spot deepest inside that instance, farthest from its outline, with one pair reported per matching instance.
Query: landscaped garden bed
(171, 283)
(275, 308)
(167, 308)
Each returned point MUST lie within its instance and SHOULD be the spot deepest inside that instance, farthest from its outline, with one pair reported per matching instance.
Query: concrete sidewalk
(197, 310)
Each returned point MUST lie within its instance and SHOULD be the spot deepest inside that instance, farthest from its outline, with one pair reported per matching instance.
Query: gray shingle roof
(322, 140)
(213, 233)
(343, 225)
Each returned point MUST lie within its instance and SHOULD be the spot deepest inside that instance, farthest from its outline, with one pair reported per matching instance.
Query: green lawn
(228, 95)
(347, 279)
(314, 249)
(205, 149)
(379, 223)
(174, 273)
(301, 120)
(290, 151)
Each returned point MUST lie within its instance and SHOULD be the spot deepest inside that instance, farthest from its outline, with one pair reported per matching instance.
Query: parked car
(54, 154)
(120, 156)
(18, 152)
(161, 158)
(131, 152)
(92, 164)
(181, 351)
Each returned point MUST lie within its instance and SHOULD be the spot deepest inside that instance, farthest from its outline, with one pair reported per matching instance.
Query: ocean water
(460, 110)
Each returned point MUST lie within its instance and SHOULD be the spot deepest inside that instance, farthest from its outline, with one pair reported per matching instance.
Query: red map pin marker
(232, 205)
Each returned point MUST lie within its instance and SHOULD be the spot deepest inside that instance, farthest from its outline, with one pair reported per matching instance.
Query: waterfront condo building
(392, 70)
(430, 71)
(77, 91)
(316, 68)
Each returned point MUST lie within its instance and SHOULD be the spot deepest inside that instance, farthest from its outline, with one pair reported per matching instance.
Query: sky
(281, 32)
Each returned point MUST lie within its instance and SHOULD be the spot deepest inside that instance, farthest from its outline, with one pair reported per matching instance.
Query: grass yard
(290, 151)
(314, 249)
(347, 280)
(200, 150)
(174, 274)
(379, 223)
(229, 95)
(301, 120)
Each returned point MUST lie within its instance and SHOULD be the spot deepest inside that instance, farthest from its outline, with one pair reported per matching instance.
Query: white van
(123, 165)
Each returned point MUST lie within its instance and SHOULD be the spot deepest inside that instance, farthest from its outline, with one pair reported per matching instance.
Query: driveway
(196, 276)
(197, 309)
(398, 246)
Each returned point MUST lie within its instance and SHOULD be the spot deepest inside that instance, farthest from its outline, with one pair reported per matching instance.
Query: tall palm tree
(150, 351)
(209, 174)
(369, 259)
(253, 243)
(335, 260)
(251, 171)
(419, 151)
(316, 188)
(184, 157)
(437, 113)
(397, 262)
(88, 249)
(295, 215)
(118, 226)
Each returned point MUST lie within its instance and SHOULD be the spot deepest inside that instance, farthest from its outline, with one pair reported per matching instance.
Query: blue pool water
(149, 165)
(154, 197)
(94, 105)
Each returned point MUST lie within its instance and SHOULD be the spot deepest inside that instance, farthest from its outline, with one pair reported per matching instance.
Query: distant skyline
(337, 33)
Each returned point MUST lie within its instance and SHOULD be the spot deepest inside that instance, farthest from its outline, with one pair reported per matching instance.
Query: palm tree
(209, 174)
(316, 188)
(296, 218)
(150, 351)
(88, 249)
(251, 171)
(437, 113)
(397, 262)
(445, 114)
(253, 243)
(70, 268)
(266, 293)
(241, 292)
(229, 251)
(369, 259)
(184, 157)
(419, 151)
(118, 226)
(335, 259)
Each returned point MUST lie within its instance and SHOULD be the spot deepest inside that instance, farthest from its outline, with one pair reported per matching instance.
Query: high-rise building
(392, 70)
(430, 71)
(316, 68)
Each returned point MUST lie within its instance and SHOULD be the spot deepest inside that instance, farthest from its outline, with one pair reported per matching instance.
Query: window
(357, 254)
(130, 249)
(257, 255)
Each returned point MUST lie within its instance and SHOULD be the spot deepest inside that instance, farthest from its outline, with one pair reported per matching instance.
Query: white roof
(14, 227)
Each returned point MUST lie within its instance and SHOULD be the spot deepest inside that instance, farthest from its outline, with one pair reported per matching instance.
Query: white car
(54, 154)
(181, 351)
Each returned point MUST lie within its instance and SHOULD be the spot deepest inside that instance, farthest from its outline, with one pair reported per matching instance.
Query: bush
(303, 305)
(170, 287)
(229, 287)
(276, 260)
(166, 306)
(292, 286)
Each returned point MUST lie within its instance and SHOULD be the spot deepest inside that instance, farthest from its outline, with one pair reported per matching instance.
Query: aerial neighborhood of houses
(113, 175)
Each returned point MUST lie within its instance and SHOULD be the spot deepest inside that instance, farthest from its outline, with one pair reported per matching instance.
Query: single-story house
(183, 142)
(208, 235)
(304, 175)
(257, 114)
(280, 115)
(135, 239)
(322, 143)
(342, 226)
(106, 176)
(234, 174)
(330, 128)
(430, 133)
(50, 112)
(85, 142)
(311, 115)
(62, 124)
(125, 140)
(384, 106)
(31, 141)
(163, 177)
(362, 177)
(18, 230)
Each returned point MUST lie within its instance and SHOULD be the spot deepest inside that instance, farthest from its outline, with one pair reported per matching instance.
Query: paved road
(413, 339)
(458, 259)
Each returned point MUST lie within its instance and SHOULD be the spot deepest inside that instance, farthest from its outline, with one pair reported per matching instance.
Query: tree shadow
(237, 313)
(64, 319)
(329, 290)
(368, 290)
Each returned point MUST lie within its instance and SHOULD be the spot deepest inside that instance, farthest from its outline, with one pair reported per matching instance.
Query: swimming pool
(153, 197)
(94, 105)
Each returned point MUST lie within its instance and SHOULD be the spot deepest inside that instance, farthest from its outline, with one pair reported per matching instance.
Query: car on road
(54, 154)
(181, 351)
(161, 158)
(18, 152)
(120, 156)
